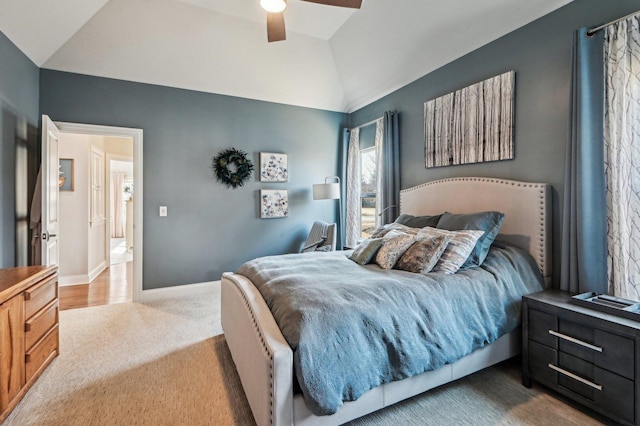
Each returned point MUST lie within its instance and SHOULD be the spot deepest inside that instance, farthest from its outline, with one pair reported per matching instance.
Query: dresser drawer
(42, 353)
(39, 324)
(40, 295)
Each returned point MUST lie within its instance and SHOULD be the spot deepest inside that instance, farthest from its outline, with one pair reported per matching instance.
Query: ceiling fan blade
(354, 4)
(275, 27)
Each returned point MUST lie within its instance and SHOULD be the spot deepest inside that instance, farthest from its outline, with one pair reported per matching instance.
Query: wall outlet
(163, 211)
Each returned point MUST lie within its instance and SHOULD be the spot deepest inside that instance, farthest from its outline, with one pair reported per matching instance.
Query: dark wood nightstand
(586, 355)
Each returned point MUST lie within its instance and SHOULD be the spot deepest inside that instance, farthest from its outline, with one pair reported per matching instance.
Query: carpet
(167, 363)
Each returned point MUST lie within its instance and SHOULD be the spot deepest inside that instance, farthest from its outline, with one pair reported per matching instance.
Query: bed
(264, 359)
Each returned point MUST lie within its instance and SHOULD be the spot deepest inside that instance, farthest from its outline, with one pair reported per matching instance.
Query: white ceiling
(334, 58)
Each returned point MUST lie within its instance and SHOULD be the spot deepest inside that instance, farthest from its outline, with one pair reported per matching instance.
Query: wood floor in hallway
(113, 285)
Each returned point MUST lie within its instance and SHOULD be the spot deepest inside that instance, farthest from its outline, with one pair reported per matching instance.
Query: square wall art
(273, 167)
(274, 203)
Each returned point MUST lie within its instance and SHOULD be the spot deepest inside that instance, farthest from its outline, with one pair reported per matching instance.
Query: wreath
(232, 167)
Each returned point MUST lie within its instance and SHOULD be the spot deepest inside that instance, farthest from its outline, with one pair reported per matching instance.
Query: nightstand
(584, 354)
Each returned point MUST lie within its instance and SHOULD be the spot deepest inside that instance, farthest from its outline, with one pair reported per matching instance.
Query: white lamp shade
(326, 191)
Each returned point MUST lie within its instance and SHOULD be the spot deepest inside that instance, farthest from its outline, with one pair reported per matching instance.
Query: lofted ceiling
(333, 59)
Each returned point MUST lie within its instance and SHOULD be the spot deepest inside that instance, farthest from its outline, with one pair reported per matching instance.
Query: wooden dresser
(28, 329)
(589, 356)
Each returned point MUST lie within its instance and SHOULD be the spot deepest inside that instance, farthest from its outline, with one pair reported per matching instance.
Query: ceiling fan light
(273, 6)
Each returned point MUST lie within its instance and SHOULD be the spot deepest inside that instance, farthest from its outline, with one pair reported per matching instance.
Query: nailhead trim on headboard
(264, 347)
(541, 249)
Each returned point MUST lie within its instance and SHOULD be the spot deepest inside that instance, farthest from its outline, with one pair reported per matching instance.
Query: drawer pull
(576, 341)
(574, 377)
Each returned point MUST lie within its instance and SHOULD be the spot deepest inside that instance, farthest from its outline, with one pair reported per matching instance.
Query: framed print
(66, 178)
(274, 203)
(273, 167)
(471, 125)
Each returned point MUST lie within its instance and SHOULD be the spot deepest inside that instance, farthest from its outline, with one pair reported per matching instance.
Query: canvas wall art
(66, 177)
(274, 203)
(273, 167)
(471, 125)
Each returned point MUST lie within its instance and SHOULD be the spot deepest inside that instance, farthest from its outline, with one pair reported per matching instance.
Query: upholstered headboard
(527, 209)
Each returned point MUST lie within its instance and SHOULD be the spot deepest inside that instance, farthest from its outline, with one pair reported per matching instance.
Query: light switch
(163, 211)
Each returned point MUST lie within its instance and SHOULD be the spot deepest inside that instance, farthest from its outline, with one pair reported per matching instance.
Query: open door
(50, 178)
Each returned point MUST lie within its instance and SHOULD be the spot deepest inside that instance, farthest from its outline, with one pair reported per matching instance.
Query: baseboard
(97, 270)
(69, 280)
(178, 291)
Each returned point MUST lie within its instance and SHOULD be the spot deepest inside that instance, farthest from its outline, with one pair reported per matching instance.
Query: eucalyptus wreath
(229, 160)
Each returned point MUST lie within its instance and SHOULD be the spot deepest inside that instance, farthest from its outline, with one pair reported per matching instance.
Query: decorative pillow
(457, 251)
(385, 229)
(489, 222)
(418, 221)
(423, 255)
(395, 244)
(366, 250)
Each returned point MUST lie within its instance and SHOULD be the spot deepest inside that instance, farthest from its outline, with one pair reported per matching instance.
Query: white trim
(136, 135)
(70, 280)
(178, 291)
(97, 270)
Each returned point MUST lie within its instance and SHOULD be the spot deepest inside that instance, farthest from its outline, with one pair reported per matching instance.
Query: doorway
(115, 275)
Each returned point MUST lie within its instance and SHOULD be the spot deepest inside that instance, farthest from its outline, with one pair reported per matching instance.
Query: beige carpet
(167, 363)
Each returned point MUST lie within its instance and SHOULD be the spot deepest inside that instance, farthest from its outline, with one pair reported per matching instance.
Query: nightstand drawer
(539, 325)
(540, 356)
(606, 350)
(606, 390)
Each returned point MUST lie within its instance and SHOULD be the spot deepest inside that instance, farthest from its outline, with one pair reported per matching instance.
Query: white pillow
(458, 250)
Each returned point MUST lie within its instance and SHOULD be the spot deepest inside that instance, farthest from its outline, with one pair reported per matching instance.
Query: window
(368, 191)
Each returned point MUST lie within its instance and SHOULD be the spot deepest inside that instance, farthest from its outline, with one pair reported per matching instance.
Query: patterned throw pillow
(366, 250)
(489, 222)
(423, 255)
(457, 251)
(395, 244)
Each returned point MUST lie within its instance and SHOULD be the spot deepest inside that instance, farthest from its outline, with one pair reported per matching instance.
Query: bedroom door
(49, 202)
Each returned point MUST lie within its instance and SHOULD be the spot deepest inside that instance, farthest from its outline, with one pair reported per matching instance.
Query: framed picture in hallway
(66, 178)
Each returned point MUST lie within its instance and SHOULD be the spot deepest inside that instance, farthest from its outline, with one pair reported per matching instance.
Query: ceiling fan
(275, 14)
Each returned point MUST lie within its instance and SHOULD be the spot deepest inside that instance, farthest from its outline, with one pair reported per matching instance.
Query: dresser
(589, 356)
(28, 329)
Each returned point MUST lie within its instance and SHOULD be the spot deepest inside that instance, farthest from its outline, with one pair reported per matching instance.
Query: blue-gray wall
(540, 53)
(210, 229)
(18, 125)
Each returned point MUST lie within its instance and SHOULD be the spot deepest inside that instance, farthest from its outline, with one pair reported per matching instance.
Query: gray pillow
(423, 255)
(488, 222)
(366, 250)
(418, 221)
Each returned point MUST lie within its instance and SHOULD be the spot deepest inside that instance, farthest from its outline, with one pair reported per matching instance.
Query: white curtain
(622, 156)
(380, 172)
(352, 226)
(117, 205)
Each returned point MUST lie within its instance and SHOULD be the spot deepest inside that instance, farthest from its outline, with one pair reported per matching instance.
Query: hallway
(113, 285)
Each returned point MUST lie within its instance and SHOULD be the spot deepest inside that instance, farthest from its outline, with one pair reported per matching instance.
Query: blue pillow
(489, 222)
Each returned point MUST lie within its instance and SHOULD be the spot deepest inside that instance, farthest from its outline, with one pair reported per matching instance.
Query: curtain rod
(594, 30)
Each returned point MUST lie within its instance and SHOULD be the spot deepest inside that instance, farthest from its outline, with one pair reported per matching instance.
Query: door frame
(136, 135)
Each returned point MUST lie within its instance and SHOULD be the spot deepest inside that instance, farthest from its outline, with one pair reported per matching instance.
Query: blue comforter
(354, 327)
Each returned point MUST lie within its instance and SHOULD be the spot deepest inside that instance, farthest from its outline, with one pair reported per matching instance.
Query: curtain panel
(389, 190)
(352, 226)
(584, 221)
(117, 206)
(622, 155)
